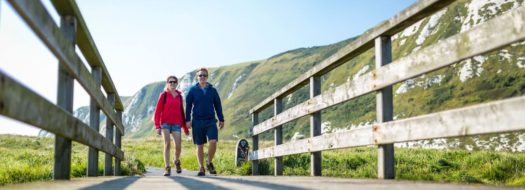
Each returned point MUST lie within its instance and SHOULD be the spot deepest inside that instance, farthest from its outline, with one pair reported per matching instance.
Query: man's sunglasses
(203, 75)
(173, 82)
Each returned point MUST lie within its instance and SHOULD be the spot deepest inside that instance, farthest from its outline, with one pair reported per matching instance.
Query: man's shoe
(202, 172)
(177, 166)
(167, 171)
(211, 168)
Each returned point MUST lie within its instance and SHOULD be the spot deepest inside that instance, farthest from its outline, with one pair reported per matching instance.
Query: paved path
(153, 179)
(151, 171)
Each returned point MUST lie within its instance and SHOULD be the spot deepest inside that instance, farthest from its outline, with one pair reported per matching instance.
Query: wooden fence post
(315, 128)
(118, 143)
(62, 154)
(278, 136)
(94, 122)
(108, 159)
(255, 144)
(385, 110)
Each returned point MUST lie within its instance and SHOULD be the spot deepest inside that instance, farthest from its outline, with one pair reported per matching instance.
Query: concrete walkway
(187, 180)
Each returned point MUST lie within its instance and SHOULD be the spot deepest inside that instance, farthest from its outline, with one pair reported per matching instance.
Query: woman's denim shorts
(171, 127)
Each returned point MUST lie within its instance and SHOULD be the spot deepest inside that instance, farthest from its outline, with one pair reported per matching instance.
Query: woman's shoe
(202, 172)
(177, 166)
(167, 171)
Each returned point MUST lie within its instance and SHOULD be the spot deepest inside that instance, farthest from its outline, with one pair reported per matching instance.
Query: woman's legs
(166, 135)
(177, 139)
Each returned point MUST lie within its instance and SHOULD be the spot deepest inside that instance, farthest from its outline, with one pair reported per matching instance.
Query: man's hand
(158, 131)
(221, 124)
(188, 124)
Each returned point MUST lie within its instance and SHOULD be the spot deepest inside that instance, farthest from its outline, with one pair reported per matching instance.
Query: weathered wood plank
(315, 128)
(62, 154)
(493, 34)
(118, 143)
(255, 144)
(39, 20)
(20, 103)
(94, 123)
(108, 159)
(493, 117)
(384, 110)
(405, 18)
(87, 46)
(278, 137)
(187, 180)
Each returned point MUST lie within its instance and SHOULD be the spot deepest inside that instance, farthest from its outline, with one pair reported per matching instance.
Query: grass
(455, 166)
(25, 159)
(150, 151)
(451, 166)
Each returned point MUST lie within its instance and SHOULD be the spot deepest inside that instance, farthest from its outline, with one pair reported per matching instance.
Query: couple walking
(202, 101)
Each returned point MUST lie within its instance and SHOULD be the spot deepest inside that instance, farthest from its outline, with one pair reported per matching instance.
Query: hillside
(491, 76)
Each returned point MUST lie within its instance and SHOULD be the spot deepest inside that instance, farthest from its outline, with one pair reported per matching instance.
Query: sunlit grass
(150, 151)
(25, 159)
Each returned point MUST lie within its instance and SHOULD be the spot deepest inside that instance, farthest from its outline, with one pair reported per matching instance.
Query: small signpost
(241, 153)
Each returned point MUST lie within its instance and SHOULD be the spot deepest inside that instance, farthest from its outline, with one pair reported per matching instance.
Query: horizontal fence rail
(486, 37)
(39, 19)
(20, 103)
(494, 117)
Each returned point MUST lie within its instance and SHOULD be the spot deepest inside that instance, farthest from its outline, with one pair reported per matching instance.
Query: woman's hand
(158, 132)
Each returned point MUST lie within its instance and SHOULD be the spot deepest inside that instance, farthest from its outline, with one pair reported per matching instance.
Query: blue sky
(144, 41)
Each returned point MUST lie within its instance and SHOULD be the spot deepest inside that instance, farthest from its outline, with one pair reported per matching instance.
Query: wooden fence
(494, 117)
(22, 104)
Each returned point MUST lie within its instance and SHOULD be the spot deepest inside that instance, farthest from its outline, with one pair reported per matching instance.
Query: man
(202, 101)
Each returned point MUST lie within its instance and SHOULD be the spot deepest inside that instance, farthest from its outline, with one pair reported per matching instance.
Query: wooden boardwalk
(189, 180)
(501, 116)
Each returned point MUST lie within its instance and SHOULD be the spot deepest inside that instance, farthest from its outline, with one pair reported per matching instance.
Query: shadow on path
(257, 183)
(121, 183)
(191, 183)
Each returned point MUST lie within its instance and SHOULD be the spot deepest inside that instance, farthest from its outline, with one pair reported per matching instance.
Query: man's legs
(213, 135)
(211, 150)
(199, 139)
(200, 155)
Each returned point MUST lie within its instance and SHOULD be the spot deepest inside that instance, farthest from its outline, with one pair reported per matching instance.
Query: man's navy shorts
(204, 130)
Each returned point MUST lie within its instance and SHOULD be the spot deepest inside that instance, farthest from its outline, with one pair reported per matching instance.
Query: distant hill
(495, 75)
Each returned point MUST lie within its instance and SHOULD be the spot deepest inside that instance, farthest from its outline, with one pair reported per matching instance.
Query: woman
(169, 119)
